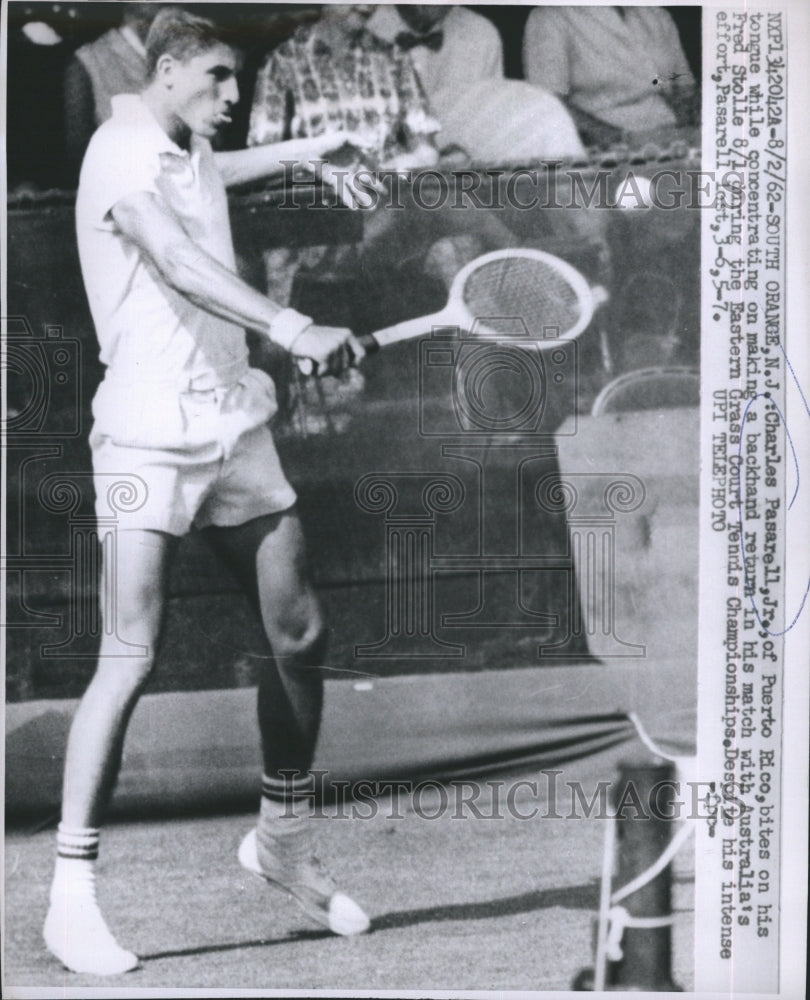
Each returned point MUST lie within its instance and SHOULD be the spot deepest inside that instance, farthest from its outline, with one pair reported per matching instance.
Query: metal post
(641, 838)
(639, 956)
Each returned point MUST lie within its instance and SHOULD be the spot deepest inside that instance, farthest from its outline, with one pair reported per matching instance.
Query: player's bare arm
(145, 220)
(241, 166)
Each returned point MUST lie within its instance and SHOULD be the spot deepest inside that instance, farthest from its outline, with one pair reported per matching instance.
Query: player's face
(204, 90)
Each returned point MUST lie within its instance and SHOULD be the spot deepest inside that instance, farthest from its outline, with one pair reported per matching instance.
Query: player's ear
(164, 69)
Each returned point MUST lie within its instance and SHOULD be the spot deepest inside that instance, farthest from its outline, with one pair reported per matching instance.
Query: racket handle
(370, 344)
(409, 328)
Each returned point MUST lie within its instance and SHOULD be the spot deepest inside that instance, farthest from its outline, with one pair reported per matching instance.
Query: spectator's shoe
(283, 858)
(75, 932)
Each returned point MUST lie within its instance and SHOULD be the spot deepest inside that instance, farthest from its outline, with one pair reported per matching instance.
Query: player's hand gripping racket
(553, 300)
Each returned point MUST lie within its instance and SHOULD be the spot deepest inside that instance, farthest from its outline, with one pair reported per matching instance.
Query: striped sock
(75, 930)
(287, 794)
(76, 853)
(79, 843)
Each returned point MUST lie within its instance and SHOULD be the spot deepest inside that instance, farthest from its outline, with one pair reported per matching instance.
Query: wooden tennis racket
(552, 300)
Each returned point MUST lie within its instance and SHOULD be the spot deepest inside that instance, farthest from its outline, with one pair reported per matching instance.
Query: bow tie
(406, 40)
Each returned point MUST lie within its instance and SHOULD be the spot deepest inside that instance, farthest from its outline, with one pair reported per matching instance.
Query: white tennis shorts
(170, 461)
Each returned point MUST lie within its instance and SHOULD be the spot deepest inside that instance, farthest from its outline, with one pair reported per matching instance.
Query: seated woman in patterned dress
(335, 76)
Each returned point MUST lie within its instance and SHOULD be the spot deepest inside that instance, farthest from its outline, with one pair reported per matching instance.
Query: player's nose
(230, 91)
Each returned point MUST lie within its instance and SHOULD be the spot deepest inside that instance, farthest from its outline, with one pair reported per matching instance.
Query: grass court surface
(456, 904)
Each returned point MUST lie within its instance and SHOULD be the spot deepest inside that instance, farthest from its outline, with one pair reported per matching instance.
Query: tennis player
(182, 416)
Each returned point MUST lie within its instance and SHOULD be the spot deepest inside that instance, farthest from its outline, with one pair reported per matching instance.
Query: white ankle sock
(74, 876)
(75, 930)
(77, 850)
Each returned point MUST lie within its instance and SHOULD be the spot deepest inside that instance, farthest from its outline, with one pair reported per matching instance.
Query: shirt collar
(131, 109)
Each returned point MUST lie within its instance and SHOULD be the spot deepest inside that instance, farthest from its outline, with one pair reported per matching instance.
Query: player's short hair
(181, 35)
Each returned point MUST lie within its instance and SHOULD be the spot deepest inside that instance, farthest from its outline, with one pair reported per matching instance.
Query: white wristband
(286, 326)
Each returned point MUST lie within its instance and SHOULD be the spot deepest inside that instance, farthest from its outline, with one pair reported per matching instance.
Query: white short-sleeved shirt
(619, 69)
(147, 331)
(155, 343)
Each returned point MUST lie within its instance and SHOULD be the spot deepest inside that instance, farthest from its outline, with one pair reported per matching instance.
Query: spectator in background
(451, 47)
(504, 122)
(384, 72)
(113, 64)
(334, 76)
(458, 57)
(619, 70)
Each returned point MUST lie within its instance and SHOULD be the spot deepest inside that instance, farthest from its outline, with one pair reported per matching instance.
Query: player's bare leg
(269, 556)
(75, 931)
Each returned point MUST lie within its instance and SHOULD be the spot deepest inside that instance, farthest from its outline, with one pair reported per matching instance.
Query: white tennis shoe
(76, 933)
(284, 859)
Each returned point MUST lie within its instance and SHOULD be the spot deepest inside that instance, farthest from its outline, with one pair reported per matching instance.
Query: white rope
(613, 919)
(685, 764)
(618, 919)
(657, 867)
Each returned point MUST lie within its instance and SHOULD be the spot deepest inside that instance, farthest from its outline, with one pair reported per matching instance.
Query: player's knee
(126, 663)
(300, 637)
(126, 674)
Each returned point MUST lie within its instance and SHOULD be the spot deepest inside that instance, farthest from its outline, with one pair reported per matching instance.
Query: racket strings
(501, 291)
